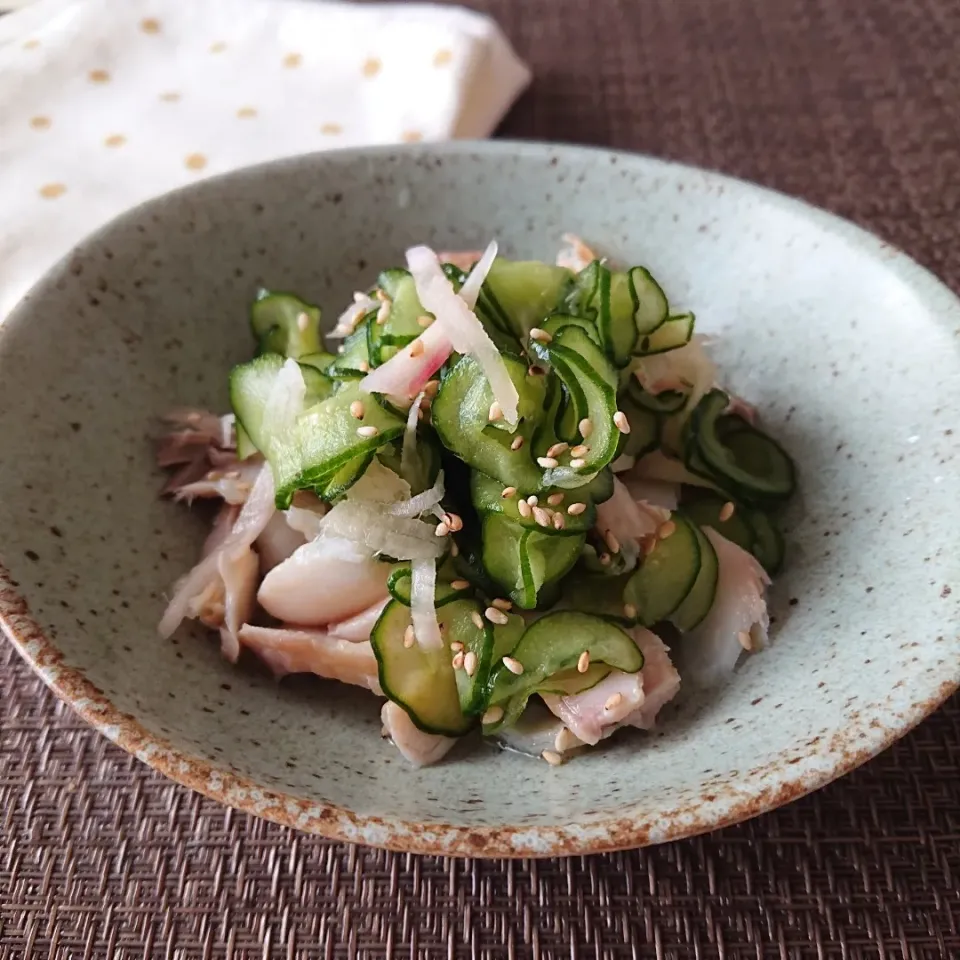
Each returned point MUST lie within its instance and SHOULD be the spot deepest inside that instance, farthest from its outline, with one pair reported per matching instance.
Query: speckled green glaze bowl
(851, 351)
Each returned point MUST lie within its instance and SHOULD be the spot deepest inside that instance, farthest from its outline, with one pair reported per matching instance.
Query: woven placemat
(852, 105)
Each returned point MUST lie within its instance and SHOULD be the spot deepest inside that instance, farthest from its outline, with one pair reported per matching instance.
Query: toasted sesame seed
(441, 530)
(524, 508)
(577, 463)
(548, 463)
(666, 529)
(495, 412)
(621, 422)
(613, 701)
(575, 509)
(580, 450)
(541, 336)
(431, 388)
(605, 559)
(583, 664)
(492, 715)
(555, 499)
(416, 348)
(424, 321)
(746, 641)
(381, 296)
(726, 512)
(513, 665)
(470, 663)
(585, 426)
(409, 637)
(363, 366)
(541, 516)
(554, 759)
(565, 740)
(558, 522)
(557, 449)
(370, 431)
(508, 492)
(454, 549)
(458, 659)
(533, 500)
(460, 584)
(456, 646)
(534, 370)
(501, 604)
(453, 521)
(477, 619)
(357, 409)
(496, 616)
(383, 313)
(303, 321)
(425, 402)
(613, 544)
(629, 611)
(517, 443)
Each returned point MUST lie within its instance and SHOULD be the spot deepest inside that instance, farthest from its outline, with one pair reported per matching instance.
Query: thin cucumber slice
(458, 624)
(555, 643)
(332, 488)
(744, 457)
(618, 327)
(704, 508)
(519, 295)
(665, 402)
(673, 333)
(277, 324)
(420, 680)
(769, 547)
(599, 595)
(697, 603)
(313, 367)
(507, 635)
(650, 301)
(644, 434)
(568, 683)
(555, 323)
(599, 489)
(398, 583)
(354, 360)
(461, 417)
(666, 575)
(487, 496)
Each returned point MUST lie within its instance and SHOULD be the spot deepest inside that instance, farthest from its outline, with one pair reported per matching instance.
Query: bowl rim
(757, 792)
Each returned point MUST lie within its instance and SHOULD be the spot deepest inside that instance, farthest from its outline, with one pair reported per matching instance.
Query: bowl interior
(847, 347)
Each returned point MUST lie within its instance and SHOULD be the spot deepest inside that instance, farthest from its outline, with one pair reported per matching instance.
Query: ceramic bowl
(849, 349)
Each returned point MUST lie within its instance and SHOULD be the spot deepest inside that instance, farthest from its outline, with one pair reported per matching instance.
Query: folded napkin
(104, 104)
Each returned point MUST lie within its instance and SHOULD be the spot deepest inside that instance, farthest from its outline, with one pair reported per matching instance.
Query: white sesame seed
(613, 701)
(565, 740)
(613, 544)
(585, 426)
(605, 559)
(359, 297)
(541, 336)
(666, 529)
(583, 664)
(523, 508)
(367, 431)
(381, 295)
(493, 715)
(548, 463)
(357, 409)
(533, 500)
(558, 522)
(456, 646)
(383, 313)
(441, 530)
(495, 412)
(460, 584)
(746, 641)
(629, 611)
(303, 321)
(470, 663)
(577, 463)
(453, 521)
(555, 499)
(496, 616)
(580, 450)
(513, 665)
(501, 604)
(726, 512)
(557, 449)
(477, 619)
(424, 321)
(416, 348)
(575, 509)
(458, 659)
(508, 492)
(341, 348)
(554, 759)
(541, 516)
(431, 388)
(517, 443)
(409, 637)
(621, 422)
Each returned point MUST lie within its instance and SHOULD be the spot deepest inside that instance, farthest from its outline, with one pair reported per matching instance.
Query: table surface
(852, 105)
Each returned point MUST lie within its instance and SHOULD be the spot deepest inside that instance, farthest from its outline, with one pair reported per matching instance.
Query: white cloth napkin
(105, 103)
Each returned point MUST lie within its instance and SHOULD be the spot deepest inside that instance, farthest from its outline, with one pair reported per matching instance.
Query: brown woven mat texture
(852, 104)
